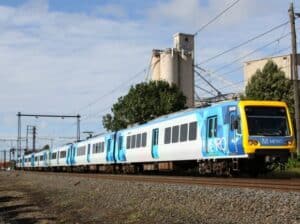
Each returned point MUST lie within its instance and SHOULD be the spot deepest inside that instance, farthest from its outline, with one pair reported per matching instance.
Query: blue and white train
(225, 137)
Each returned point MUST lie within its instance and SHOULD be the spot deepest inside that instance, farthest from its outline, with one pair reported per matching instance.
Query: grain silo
(155, 64)
(175, 65)
(169, 66)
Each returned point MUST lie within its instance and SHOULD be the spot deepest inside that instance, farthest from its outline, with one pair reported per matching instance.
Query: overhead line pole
(295, 76)
(19, 114)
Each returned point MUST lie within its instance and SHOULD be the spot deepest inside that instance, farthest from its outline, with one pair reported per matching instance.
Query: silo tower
(175, 65)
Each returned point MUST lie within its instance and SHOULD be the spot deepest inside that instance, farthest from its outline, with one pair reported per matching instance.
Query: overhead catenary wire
(243, 43)
(252, 52)
(113, 90)
(241, 66)
(230, 85)
(216, 17)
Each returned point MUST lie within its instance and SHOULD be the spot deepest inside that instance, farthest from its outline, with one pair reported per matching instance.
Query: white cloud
(111, 10)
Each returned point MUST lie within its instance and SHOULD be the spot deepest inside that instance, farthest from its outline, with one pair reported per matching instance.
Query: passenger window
(128, 142)
(63, 154)
(144, 139)
(193, 131)
(175, 133)
(133, 137)
(81, 151)
(167, 135)
(212, 127)
(120, 142)
(183, 132)
(102, 147)
(138, 140)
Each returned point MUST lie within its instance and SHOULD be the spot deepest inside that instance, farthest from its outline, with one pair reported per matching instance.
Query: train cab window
(193, 131)
(138, 140)
(144, 139)
(212, 127)
(62, 154)
(133, 138)
(175, 134)
(183, 132)
(128, 142)
(167, 135)
(41, 158)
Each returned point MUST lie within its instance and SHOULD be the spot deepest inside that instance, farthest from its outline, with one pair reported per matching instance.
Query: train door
(50, 158)
(121, 149)
(234, 138)
(45, 159)
(211, 136)
(32, 160)
(71, 155)
(23, 161)
(154, 147)
(88, 155)
(110, 148)
(57, 157)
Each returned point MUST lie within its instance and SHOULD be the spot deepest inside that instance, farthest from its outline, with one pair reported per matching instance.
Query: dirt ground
(20, 204)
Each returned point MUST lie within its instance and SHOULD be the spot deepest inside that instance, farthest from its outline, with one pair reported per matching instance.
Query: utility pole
(33, 138)
(295, 76)
(4, 159)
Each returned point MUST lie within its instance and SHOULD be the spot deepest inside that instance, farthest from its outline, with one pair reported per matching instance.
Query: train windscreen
(267, 121)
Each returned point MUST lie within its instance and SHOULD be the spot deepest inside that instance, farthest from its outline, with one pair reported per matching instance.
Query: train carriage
(233, 135)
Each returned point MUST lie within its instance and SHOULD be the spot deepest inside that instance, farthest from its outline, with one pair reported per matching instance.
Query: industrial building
(175, 65)
(284, 62)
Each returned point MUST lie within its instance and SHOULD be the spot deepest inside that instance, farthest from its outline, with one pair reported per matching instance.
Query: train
(228, 137)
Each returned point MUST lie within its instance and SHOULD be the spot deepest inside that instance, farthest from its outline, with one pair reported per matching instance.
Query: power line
(113, 90)
(216, 17)
(252, 52)
(242, 44)
(241, 67)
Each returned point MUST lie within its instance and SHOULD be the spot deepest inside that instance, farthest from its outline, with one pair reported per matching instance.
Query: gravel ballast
(70, 199)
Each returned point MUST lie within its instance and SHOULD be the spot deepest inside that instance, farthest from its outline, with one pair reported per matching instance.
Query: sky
(77, 57)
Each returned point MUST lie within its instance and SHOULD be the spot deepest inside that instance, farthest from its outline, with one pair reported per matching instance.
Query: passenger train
(227, 137)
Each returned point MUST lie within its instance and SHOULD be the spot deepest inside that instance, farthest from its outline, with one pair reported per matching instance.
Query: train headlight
(252, 142)
(289, 142)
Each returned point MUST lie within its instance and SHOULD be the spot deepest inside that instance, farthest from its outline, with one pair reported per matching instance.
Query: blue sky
(71, 56)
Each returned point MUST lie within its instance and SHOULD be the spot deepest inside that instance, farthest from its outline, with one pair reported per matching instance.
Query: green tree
(270, 84)
(46, 147)
(144, 102)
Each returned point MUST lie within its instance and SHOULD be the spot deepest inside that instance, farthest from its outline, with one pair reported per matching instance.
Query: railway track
(264, 184)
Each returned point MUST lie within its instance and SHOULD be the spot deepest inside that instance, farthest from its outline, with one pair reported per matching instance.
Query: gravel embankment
(65, 199)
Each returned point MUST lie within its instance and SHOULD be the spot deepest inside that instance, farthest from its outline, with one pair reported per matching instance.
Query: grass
(292, 170)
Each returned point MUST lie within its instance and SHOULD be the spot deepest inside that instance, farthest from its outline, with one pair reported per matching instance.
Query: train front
(268, 136)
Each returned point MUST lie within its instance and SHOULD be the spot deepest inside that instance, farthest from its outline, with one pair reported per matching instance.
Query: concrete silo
(175, 65)
(169, 66)
(155, 64)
